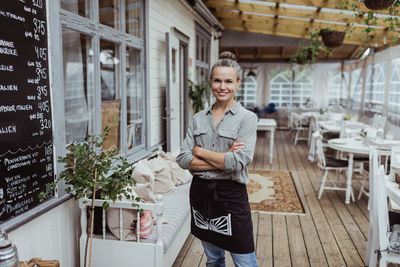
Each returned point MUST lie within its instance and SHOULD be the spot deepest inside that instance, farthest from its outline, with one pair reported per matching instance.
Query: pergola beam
(259, 22)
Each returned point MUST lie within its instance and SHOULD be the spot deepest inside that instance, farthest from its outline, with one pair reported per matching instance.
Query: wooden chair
(329, 164)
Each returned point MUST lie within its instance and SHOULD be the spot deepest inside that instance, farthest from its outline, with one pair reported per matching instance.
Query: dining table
(353, 146)
(268, 125)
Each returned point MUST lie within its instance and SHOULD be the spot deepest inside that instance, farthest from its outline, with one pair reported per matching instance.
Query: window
(78, 85)
(104, 71)
(79, 7)
(337, 88)
(374, 88)
(356, 89)
(246, 94)
(394, 93)
(202, 63)
(290, 88)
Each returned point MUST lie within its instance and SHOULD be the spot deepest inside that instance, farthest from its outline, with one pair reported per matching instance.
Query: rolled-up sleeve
(186, 156)
(239, 159)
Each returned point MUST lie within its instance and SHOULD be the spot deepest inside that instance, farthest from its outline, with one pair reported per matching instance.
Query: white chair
(349, 130)
(378, 122)
(384, 151)
(379, 224)
(299, 127)
(329, 164)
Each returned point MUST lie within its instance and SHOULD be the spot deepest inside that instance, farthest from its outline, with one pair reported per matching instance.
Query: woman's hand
(237, 145)
(196, 151)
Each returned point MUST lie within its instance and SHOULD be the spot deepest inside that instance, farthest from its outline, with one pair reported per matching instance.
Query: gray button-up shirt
(237, 122)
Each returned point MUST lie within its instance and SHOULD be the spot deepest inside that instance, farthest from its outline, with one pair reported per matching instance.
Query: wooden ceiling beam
(256, 20)
(320, 3)
(284, 11)
(287, 31)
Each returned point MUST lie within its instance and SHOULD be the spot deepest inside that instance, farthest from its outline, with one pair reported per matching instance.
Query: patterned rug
(273, 191)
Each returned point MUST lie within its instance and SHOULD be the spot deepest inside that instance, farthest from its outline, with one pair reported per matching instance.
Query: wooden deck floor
(330, 233)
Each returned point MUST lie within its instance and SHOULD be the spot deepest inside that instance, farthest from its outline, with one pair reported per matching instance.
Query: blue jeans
(216, 257)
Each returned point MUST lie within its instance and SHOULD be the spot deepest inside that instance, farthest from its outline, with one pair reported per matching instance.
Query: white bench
(159, 250)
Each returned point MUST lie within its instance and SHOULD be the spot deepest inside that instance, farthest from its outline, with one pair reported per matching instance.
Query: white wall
(51, 236)
(163, 15)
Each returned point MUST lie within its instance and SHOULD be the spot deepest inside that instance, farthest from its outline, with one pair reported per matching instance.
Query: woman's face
(224, 83)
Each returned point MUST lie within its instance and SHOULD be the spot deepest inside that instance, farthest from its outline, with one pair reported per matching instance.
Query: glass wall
(291, 88)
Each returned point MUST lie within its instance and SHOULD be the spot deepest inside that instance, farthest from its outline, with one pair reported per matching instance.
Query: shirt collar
(234, 109)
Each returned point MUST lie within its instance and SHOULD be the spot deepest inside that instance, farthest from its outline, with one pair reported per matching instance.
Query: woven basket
(332, 39)
(378, 4)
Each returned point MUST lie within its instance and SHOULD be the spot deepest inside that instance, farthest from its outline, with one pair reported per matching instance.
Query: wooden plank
(185, 248)
(358, 239)
(194, 254)
(326, 237)
(250, 11)
(264, 248)
(280, 240)
(298, 252)
(300, 26)
(347, 248)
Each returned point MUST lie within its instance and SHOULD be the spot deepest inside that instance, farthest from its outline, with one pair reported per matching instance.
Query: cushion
(179, 176)
(143, 172)
(330, 162)
(162, 176)
(129, 220)
(145, 192)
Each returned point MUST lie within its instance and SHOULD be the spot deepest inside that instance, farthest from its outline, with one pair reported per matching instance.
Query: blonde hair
(227, 59)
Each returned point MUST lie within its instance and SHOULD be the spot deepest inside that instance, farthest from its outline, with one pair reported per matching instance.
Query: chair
(299, 127)
(378, 122)
(351, 130)
(379, 229)
(270, 108)
(329, 164)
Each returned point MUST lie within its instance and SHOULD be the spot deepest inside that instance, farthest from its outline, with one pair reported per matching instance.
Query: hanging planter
(332, 38)
(378, 4)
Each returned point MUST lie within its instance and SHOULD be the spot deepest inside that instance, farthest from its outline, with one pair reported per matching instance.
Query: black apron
(221, 214)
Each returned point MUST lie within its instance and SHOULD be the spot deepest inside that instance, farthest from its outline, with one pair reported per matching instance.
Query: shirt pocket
(200, 137)
(227, 137)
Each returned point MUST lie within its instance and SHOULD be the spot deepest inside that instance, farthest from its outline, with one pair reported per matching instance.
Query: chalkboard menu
(26, 148)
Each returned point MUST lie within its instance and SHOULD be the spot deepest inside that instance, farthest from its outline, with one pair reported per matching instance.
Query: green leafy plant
(196, 95)
(371, 18)
(310, 49)
(88, 168)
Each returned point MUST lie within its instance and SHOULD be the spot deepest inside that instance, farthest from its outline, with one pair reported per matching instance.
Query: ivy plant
(370, 18)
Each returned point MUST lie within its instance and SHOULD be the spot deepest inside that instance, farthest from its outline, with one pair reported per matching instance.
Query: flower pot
(332, 39)
(378, 4)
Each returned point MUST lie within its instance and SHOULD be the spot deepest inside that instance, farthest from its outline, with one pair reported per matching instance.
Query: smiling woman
(218, 147)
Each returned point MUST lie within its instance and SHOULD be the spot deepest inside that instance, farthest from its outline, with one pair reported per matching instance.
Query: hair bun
(227, 55)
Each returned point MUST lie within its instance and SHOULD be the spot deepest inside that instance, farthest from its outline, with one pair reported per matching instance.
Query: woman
(218, 146)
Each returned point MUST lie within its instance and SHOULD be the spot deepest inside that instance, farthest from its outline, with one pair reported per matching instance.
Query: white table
(351, 146)
(268, 125)
(392, 190)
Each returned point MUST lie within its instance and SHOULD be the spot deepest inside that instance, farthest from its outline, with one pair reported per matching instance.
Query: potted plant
(332, 38)
(370, 18)
(89, 169)
(309, 51)
(378, 4)
(196, 95)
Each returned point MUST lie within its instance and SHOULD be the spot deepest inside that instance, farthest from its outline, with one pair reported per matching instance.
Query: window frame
(92, 27)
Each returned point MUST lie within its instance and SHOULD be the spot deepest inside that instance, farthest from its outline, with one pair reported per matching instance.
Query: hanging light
(251, 73)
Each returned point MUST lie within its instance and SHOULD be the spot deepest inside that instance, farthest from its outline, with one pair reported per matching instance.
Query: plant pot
(332, 39)
(378, 4)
